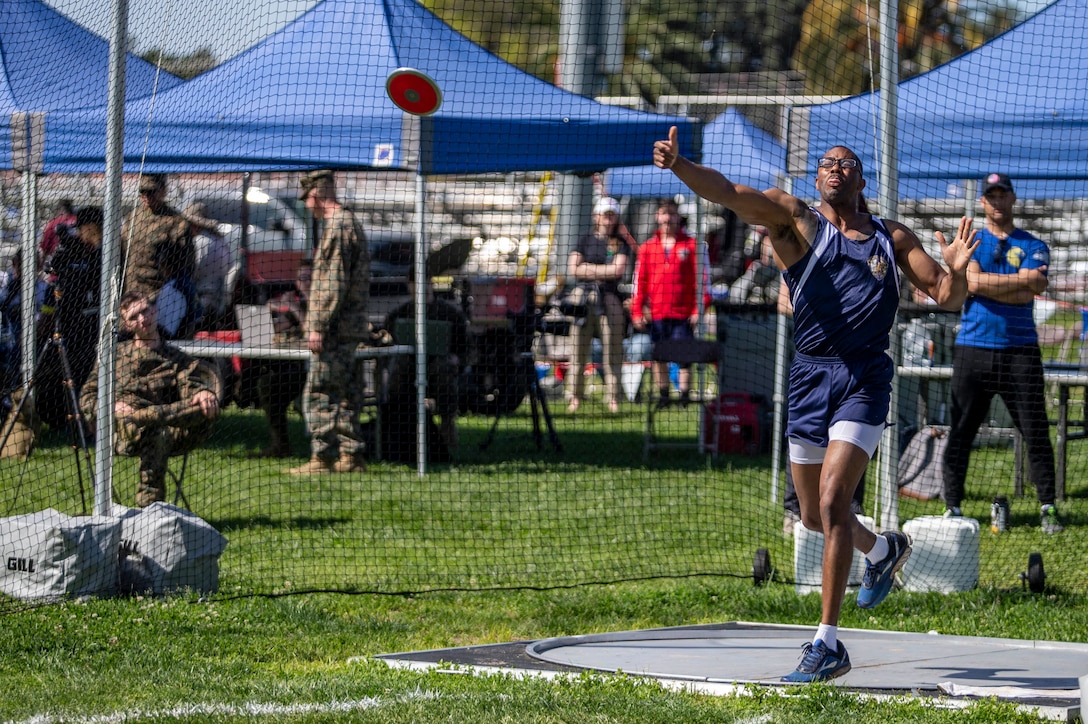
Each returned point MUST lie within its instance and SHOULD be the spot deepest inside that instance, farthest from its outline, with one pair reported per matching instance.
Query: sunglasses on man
(842, 162)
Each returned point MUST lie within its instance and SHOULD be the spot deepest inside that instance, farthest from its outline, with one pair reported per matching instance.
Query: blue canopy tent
(1018, 104)
(313, 95)
(51, 63)
(731, 144)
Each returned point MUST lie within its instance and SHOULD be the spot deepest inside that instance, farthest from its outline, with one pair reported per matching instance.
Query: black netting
(560, 444)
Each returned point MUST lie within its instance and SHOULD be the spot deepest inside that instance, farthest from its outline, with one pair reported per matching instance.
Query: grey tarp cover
(49, 555)
(165, 548)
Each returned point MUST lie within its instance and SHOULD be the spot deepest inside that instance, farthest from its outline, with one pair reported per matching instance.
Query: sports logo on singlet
(1015, 256)
(878, 267)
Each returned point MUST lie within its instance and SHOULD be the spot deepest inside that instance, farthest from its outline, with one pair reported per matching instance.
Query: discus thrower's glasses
(842, 162)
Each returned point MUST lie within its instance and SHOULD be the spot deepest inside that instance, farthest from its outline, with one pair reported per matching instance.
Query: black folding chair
(682, 352)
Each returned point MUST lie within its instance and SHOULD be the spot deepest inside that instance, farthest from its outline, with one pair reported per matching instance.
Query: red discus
(413, 91)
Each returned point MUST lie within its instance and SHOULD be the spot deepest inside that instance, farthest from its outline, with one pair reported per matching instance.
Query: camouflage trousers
(335, 387)
(154, 445)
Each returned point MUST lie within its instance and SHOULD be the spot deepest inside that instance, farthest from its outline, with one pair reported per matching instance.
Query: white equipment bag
(165, 548)
(48, 555)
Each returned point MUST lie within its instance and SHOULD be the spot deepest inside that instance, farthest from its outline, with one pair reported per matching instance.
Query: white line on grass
(244, 709)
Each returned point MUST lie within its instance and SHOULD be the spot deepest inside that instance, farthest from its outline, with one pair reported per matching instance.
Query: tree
(838, 39)
(183, 66)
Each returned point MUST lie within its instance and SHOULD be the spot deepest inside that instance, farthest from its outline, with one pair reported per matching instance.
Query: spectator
(443, 371)
(63, 219)
(210, 265)
(760, 282)
(21, 429)
(997, 349)
(166, 401)
(597, 264)
(76, 273)
(159, 254)
(336, 324)
(279, 382)
(11, 319)
(666, 287)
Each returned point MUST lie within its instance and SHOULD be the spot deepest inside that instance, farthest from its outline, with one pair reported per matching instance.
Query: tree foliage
(669, 45)
(183, 66)
(839, 46)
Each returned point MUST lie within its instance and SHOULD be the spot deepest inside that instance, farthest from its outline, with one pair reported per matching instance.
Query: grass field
(512, 516)
(287, 658)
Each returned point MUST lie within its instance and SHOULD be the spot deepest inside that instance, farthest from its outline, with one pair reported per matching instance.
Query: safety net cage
(388, 296)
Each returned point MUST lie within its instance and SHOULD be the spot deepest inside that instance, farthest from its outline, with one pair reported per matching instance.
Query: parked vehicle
(266, 257)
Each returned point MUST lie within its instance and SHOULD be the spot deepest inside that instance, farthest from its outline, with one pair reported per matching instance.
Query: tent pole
(108, 286)
(888, 495)
(781, 372)
(419, 262)
(29, 271)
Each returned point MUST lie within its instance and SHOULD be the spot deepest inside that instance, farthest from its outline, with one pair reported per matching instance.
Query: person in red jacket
(665, 300)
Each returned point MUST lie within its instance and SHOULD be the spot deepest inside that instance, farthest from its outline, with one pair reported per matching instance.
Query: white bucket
(945, 556)
(631, 379)
(808, 556)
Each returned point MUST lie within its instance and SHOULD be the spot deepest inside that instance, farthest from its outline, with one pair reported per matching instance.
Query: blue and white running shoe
(877, 581)
(819, 663)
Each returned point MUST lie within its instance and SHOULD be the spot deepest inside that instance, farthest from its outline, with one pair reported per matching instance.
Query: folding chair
(682, 352)
(212, 375)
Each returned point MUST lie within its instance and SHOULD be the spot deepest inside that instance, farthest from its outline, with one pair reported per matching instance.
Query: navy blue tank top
(845, 293)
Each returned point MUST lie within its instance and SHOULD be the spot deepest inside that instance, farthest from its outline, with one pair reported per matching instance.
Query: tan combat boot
(350, 463)
(316, 466)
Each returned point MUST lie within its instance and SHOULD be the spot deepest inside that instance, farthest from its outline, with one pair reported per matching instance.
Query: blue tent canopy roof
(313, 95)
(731, 144)
(1018, 104)
(51, 63)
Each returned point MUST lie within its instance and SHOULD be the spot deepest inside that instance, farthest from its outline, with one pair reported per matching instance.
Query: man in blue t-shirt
(997, 349)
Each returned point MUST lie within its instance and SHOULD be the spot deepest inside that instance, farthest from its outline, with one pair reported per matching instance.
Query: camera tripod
(525, 371)
(76, 427)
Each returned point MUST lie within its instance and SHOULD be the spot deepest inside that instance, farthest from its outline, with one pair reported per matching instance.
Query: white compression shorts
(866, 437)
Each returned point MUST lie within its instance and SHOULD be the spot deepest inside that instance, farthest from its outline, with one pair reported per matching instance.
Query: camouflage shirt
(340, 283)
(159, 383)
(160, 247)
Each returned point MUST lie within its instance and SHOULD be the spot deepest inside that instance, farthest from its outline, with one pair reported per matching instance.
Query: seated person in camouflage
(165, 404)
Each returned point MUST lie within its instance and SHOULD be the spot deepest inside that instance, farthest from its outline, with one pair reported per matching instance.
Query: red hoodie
(667, 283)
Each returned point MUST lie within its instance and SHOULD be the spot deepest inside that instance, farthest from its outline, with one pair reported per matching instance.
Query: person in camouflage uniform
(166, 401)
(336, 323)
(157, 241)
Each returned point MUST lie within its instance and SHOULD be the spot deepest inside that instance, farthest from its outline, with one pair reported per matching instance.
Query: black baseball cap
(996, 181)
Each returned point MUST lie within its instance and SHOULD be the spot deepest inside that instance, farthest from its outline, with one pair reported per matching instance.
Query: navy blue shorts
(826, 390)
(670, 329)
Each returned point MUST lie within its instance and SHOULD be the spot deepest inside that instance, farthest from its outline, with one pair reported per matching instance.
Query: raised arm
(790, 224)
(947, 287)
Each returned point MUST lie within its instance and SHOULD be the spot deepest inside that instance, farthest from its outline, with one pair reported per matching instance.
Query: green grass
(140, 655)
(511, 516)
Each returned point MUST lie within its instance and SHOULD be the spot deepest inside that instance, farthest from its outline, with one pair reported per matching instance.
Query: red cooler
(731, 425)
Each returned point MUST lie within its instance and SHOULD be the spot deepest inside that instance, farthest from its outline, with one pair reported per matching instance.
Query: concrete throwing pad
(1039, 672)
